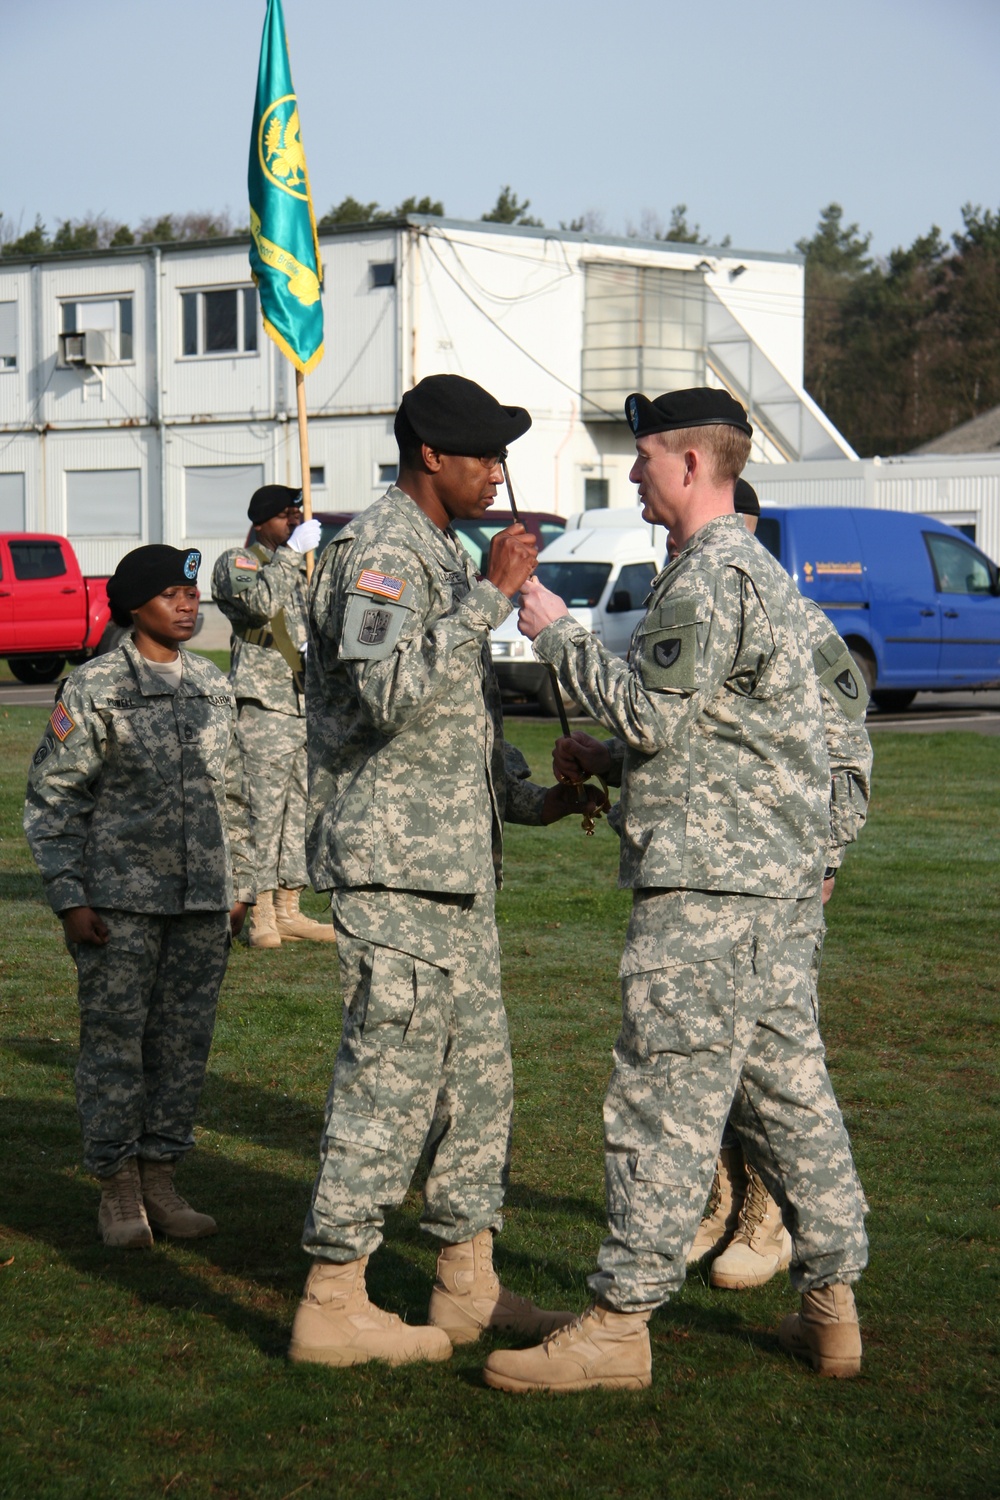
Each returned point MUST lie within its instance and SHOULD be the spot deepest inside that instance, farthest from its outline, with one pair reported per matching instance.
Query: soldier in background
(262, 592)
(742, 1224)
(725, 823)
(137, 819)
(410, 781)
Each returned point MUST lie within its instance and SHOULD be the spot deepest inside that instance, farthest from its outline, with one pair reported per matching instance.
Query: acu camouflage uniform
(410, 782)
(263, 596)
(136, 807)
(725, 825)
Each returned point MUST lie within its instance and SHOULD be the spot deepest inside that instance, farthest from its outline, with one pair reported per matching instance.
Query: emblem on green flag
(284, 250)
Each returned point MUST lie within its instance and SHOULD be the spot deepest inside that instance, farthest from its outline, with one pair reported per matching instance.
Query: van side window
(957, 568)
(37, 560)
(632, 584)
(769, 535)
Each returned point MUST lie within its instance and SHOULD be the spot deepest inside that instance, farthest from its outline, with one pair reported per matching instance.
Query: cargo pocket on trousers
(664, 1201)
(391, 998)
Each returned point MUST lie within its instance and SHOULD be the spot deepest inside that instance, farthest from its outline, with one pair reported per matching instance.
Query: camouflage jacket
(409, 774)
(135, 796)
(263, 596)
(844, 699)
(725, 775)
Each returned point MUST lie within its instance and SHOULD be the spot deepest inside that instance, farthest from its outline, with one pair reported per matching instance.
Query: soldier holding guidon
(262, 592)
(137, 819)
(725, 818)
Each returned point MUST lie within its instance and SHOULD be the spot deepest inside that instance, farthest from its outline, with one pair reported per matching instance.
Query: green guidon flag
(284, 254)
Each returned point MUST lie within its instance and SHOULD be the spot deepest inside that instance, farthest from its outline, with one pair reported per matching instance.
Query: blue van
(916, 602)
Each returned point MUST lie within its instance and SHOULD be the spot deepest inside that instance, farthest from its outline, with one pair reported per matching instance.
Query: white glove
(305, 537)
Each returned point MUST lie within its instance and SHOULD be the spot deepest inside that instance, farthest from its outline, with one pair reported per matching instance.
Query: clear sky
(754, 115)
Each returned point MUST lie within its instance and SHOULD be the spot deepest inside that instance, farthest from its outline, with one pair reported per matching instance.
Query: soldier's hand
(561, 801)
(82, 924)
(828, 885)
(237, 916)
(580, 756)
(305, 537)
(512, 558)
(539, 607)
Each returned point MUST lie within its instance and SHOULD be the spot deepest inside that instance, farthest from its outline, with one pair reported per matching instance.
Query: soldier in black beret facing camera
(137, 819)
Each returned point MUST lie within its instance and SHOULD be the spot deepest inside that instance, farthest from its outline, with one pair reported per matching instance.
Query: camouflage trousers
(274, 758)
(147, 1013)
(423, 1067)
(718, 1010)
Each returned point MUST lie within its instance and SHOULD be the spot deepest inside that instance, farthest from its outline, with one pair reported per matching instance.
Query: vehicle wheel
(35, 669)
(547, 700)
(893, 702)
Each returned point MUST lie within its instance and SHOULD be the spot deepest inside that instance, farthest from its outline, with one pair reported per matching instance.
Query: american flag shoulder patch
(62, 723)
(250, 563)
(380, 583)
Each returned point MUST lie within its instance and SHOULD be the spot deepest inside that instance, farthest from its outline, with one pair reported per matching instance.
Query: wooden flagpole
(300, 401)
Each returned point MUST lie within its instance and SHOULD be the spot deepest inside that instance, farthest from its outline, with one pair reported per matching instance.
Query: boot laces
(125, 1200)
(754, 1209)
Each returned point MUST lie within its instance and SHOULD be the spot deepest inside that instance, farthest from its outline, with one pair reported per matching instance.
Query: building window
(11, 502)
(643, 330)
(222, 320)
(386, 473)
(595, 494)
(103, 502)
(317, 476)
(8, 335)
(382, 273)
(110, 316)
(216, 497)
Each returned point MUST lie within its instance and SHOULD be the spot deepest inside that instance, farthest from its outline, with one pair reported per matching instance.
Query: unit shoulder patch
(838, 672)
(44, 750)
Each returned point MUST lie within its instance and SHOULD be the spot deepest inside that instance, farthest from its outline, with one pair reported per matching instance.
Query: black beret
(147, 571)
(701, 407)
(271, 500)
(745, 501)
(455, 415)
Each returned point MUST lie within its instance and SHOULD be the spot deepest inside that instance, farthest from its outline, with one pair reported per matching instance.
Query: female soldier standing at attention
(137, 819)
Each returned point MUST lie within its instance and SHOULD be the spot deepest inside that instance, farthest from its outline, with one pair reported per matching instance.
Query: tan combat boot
(167, 1210)
(294, 924)
(262, 931)
(335, 1324)
(761, 1246)
(121, 1217)
(729, 1187)
(468, 1298)
(602, 1348)
(825, 1331)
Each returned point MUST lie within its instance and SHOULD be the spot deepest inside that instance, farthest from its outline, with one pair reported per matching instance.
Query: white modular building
(140, 399)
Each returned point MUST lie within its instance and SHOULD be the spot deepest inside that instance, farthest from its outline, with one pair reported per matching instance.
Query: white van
(601, 567)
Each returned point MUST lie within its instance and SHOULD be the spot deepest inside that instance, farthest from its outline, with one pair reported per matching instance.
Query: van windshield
(578, 584)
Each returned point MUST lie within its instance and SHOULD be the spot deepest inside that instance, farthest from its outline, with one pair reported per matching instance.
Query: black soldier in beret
(273, 500)
(455, 415)
(146, 572)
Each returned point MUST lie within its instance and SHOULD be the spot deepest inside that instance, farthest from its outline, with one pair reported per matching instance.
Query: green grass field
(164, 1373)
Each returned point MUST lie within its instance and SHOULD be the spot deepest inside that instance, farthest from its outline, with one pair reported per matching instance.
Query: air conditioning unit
(92, 347)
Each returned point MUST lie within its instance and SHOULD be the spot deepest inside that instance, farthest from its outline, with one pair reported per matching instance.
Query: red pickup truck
(49, 613)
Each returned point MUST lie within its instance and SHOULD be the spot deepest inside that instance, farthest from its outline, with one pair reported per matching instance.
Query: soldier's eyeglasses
(491, 460)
